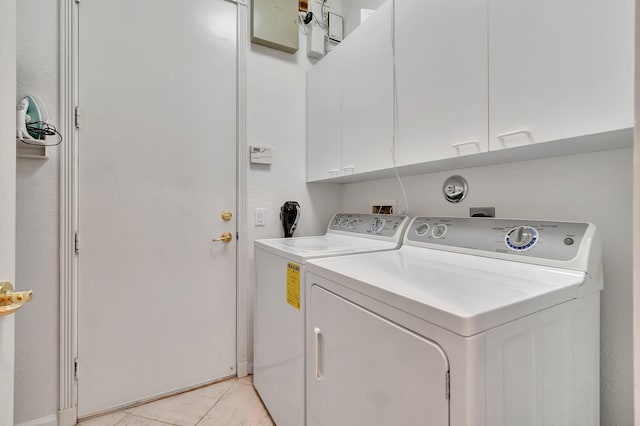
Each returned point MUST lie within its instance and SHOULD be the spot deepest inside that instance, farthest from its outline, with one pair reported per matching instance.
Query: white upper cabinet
(559, 69)
(441, 70)
(471, 76)
(367, 95)
(324, 130)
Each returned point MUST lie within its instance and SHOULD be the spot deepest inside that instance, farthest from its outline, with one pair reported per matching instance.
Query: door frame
(69, 207)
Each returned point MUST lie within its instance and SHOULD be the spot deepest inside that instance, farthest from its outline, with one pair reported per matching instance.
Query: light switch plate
(261, 216)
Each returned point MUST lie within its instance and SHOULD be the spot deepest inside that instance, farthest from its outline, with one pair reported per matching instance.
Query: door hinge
(75, 369)
(77, 1)
(77, 115)
(237, 235)
(76, 241)
(448, 390)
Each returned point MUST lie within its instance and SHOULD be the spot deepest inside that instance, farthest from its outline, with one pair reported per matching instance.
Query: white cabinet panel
(559, 69)
(367, 95)
(365, 370)
(441, 69)
(324, 128)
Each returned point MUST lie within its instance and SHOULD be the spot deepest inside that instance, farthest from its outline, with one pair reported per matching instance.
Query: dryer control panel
(529, 238)
(368, 224)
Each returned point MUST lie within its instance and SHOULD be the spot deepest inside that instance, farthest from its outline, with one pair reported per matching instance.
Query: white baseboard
(51, 420)
(67, 417)
(243, 369)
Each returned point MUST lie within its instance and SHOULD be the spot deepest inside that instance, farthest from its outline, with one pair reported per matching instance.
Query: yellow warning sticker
(293, 284)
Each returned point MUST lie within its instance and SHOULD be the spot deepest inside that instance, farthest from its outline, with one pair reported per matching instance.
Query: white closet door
(559, 69)
(324, 121)
(365, 370)
(367, 95)
(441, 66)
(157, 168)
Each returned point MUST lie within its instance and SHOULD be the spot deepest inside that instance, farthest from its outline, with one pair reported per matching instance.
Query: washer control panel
(534, 238)
(369, 224)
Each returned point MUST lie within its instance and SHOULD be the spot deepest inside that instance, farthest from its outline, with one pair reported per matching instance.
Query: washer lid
(463, 293)
(301, 248)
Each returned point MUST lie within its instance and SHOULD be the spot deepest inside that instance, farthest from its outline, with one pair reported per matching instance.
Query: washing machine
(472, 322)
(279, 371)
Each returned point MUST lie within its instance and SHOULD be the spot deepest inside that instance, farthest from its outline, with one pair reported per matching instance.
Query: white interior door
(7, 197)
(157, 168)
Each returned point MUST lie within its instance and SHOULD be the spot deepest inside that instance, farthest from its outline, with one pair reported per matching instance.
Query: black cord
(42, 129)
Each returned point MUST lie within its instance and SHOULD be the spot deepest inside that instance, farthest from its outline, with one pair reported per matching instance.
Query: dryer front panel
(365, 370)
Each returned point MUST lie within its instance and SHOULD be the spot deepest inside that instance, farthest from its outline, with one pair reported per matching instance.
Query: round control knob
(352, 223)
(377, 225)
(344, 223)
(439, 230)
(521, 238)
(422, 229)
(336, 221)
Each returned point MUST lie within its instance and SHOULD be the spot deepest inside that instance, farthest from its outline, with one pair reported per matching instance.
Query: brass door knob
(225, 237)
(226, 215)
(11, 301)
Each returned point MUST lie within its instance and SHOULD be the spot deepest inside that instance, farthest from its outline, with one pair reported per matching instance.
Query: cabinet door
(324, 106)
(441, 69)
(365, 370)
(559, 69)
(367, 95)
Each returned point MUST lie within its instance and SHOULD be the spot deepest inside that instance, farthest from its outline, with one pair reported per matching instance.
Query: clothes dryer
(280, 302)
(472, 322)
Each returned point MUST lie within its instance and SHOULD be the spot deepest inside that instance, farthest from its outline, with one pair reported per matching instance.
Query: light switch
(261, 214)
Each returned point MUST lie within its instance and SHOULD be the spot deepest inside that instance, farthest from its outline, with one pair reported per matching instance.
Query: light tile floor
(229, 403)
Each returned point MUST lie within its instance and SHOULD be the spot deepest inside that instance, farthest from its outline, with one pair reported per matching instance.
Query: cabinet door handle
(317, 332)
(459, 144)
(333, 172)
(527, 133)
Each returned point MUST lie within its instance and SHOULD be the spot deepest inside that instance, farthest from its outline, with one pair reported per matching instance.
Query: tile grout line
(155, 420)
(140, 417)
(120, 421)
(216, 403)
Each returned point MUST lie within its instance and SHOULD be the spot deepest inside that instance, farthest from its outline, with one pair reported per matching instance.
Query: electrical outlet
(482, 212)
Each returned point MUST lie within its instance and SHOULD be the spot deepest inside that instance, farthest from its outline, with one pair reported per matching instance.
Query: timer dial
(521, 238)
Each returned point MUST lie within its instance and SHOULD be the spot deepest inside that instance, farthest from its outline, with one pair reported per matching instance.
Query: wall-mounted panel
(274, 23)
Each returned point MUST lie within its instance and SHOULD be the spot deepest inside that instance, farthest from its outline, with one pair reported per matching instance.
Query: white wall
(7, 189)
(36, 394)
(589, 187)
(636, 230)
(276, 117)
(351, 12)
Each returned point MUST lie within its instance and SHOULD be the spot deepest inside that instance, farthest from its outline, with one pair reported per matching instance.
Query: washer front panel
(553, 240)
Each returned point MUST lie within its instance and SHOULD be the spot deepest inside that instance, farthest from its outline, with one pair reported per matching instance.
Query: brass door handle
(11, 301)
(225, 237)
